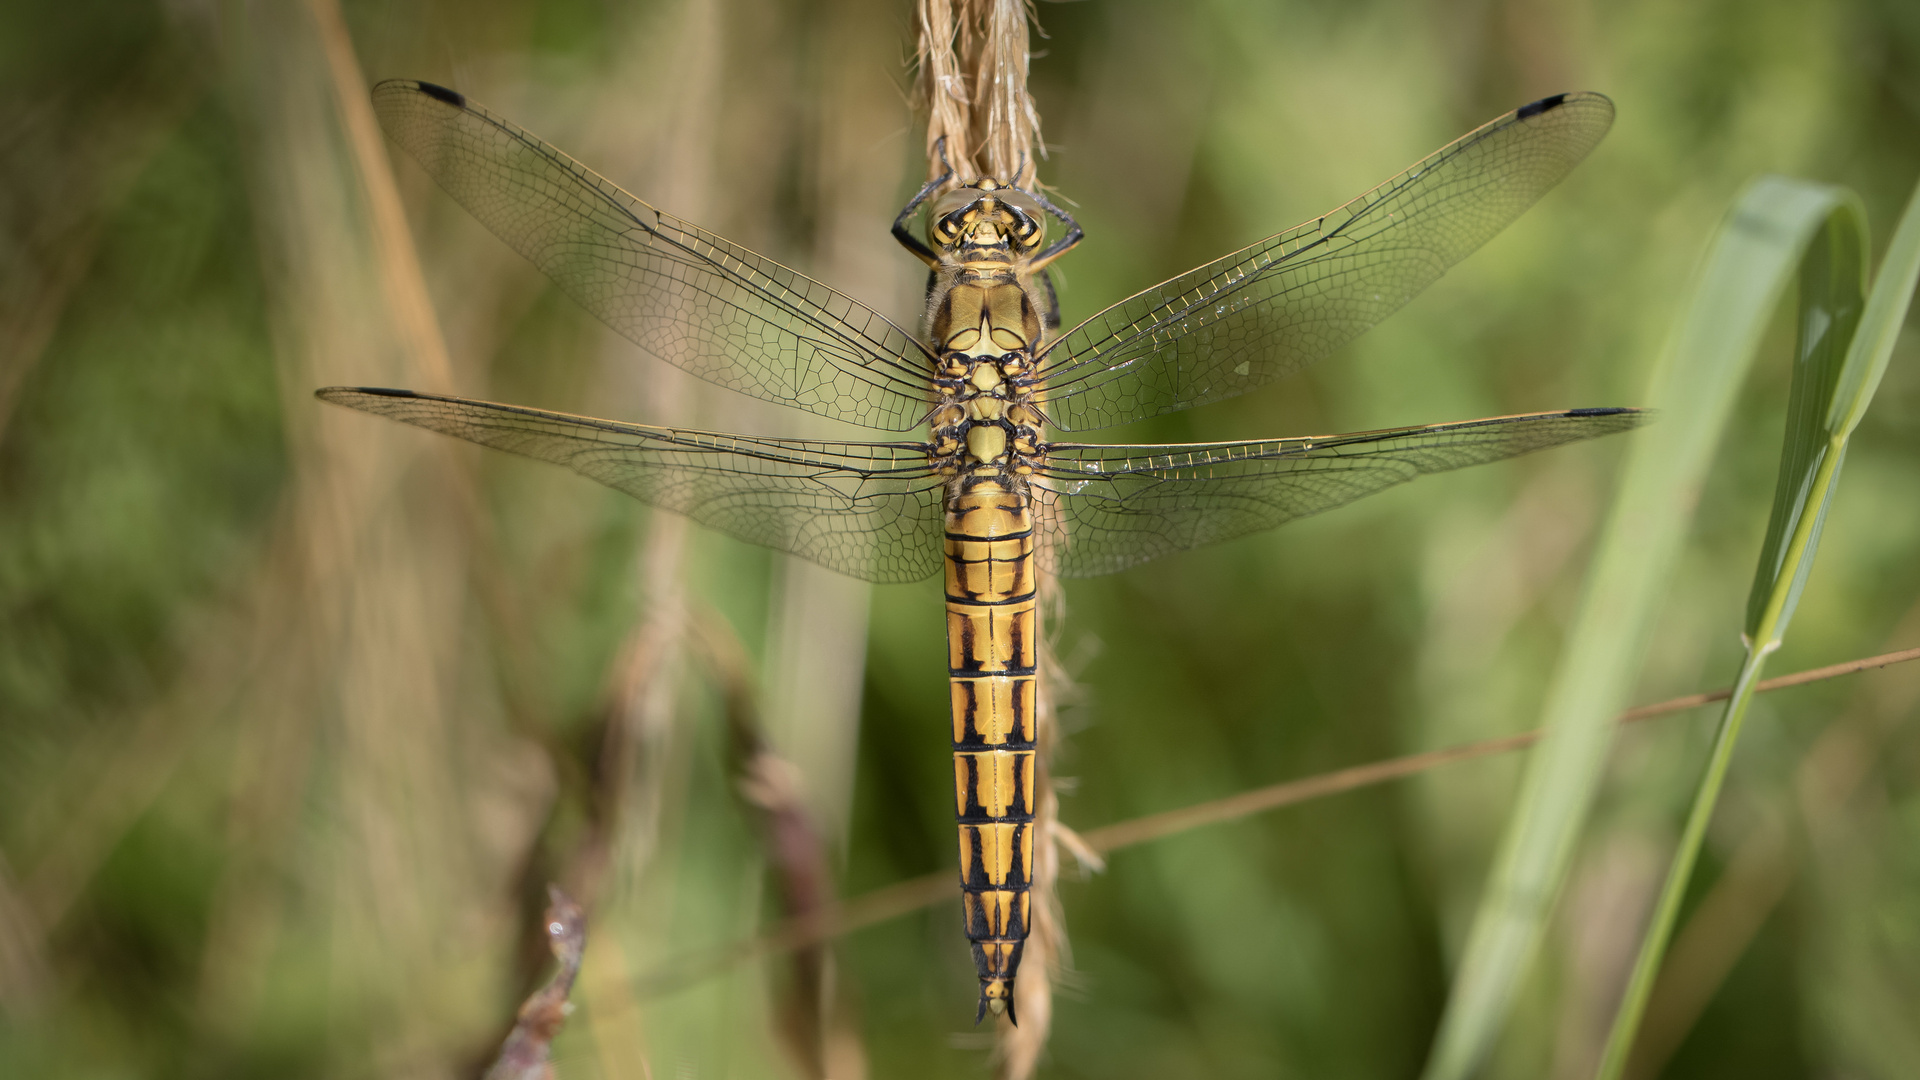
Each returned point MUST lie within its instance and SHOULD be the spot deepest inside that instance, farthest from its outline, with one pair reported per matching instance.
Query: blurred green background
(299, 711)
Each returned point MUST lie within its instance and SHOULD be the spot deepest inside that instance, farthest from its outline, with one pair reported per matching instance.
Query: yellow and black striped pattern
(986, 315)
(992, 628)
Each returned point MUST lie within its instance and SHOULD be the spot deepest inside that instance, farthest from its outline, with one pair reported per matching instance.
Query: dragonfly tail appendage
(992, 637)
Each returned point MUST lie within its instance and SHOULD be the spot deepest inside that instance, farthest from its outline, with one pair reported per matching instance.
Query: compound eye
(1029, 220)
(1023, 222)
(955, 201)
(945, 230)
(1023, 201)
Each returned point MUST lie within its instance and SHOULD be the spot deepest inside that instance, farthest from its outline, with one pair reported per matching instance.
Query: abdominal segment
(992, 625)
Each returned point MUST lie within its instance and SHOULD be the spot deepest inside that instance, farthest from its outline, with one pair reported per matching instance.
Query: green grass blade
(1829, 398)
(1700, 372)
(1880, 325)
(1833, 286)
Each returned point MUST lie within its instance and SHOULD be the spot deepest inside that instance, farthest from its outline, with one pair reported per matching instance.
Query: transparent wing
(688, 297)
(868, 510)
(1267, 311)
(1105, 508)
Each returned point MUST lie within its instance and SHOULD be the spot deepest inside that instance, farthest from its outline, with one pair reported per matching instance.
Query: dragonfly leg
(1058, 247)
(1050, 314)
(900, 231)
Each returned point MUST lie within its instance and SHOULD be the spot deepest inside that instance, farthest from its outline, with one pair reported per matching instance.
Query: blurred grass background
(299, 713)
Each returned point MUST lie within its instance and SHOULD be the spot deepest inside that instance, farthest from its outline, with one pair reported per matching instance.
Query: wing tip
(335, 393)
(1554, 102)
(386, 87)
(440, 93)
(1615, 418)
(1535, 108)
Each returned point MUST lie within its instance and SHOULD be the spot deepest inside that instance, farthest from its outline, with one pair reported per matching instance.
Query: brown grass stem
(404, 283)
(526, 1052)
(904, 897)
(973, 57)
(1761, 869)
(1154, 826)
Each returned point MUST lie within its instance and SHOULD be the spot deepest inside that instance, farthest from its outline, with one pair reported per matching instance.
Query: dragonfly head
(987, 220)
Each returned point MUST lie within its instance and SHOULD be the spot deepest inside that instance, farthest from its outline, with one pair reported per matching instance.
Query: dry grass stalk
(981, 119)
(630, 738)
(817, 1032)
(628, 796)
(973, 78)
(523, 1056)
(403, 284)
(911, 895)
(1019, 1049)
(624, 798)
(351, 698)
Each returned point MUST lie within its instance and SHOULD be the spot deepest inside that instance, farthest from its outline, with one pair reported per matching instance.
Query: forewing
(1105, 508)
(688, 297)
(868, 510)
(1269, 310)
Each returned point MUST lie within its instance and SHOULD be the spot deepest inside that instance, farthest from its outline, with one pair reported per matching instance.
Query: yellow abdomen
(992, 638)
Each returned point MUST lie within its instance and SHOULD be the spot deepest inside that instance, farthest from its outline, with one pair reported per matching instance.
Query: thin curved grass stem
(905, 897)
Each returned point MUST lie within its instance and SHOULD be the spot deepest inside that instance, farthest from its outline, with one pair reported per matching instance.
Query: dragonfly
(985, 494)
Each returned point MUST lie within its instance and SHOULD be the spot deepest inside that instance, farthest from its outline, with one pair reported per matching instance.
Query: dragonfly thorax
(986, 418)
(986, 323)
(984, 313)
